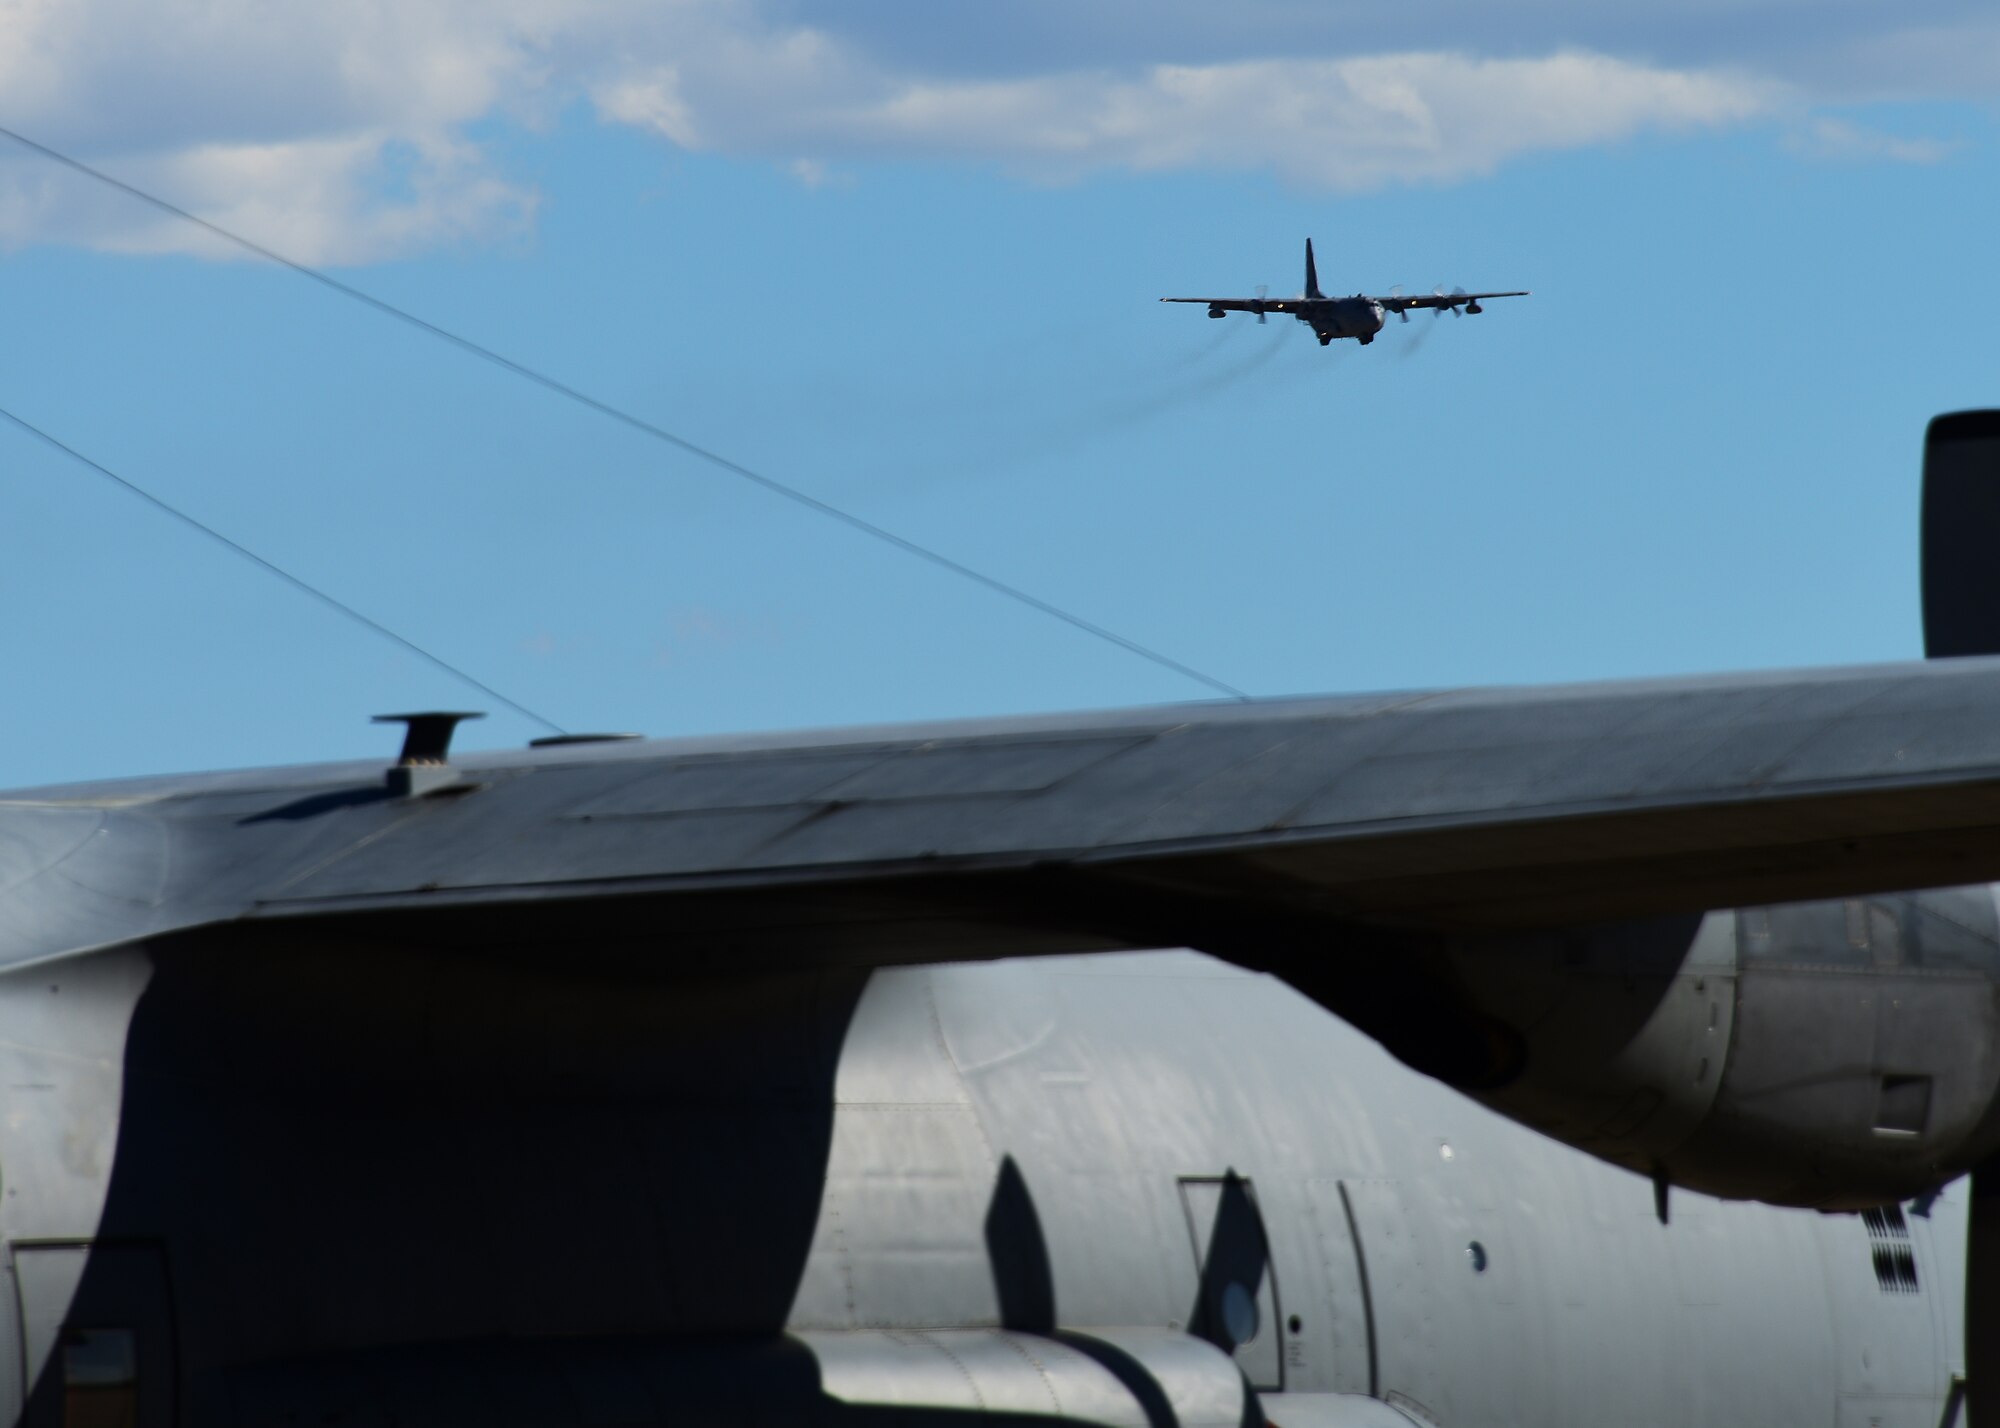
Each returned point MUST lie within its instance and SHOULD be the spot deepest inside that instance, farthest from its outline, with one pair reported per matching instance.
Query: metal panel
(977, 769)
(1123, 1377)
(1405, 1331)
(1334, 1321)
(1334, 1410)
(731, 783)
(900, 1241)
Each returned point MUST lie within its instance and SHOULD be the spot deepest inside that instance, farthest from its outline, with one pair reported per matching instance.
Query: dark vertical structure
(1961, 535)
(1961, 579)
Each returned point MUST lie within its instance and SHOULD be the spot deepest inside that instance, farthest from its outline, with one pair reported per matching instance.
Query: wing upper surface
(1473, 809)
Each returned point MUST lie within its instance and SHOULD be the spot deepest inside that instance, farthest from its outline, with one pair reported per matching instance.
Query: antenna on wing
(422, 768)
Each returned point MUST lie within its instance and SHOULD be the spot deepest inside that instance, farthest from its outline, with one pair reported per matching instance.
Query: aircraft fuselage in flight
(1331, 318)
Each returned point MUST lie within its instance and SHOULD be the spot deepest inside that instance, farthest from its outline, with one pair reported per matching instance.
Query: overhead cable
(273, 568)
(639, 424)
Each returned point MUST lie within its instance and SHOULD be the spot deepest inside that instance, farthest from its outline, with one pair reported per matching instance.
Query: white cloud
(335, 133)
(653, 101)
(1343, 124)
(342, 134)
(1836, 139)
(321, 201)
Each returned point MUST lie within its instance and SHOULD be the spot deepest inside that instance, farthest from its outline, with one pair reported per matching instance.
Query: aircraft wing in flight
(1249, 304)
(1404, 302)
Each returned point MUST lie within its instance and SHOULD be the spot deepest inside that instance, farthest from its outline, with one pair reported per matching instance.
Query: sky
(905, 258)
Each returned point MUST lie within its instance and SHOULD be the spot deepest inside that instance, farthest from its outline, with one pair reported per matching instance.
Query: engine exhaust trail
(1194, 356)
(1409, 349)
(1118, 413)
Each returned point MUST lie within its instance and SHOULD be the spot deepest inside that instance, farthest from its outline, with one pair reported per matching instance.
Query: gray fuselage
(337, 1183)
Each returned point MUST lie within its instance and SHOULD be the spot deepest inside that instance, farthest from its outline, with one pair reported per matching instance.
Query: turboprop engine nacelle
(1830, 1054)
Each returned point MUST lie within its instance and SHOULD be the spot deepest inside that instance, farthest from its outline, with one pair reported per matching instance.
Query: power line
(618, 414)
(331, 601)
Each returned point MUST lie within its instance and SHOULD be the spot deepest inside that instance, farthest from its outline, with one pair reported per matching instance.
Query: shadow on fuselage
(345, 1148)
(397, 1184)
(691, 1383)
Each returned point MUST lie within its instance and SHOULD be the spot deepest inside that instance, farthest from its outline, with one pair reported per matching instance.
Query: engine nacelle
(1835, 1054)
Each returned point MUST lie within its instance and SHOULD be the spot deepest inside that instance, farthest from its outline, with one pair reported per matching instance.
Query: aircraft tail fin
(1312, 273)
(1961, 521)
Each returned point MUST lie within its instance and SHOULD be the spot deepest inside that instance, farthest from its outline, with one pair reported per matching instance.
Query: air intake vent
(1889, 1243)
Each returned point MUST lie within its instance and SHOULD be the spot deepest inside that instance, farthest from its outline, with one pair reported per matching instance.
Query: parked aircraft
(1359, 317)
(759, 1079)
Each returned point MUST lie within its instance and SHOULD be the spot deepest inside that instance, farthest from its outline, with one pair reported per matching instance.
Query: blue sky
(907, 259)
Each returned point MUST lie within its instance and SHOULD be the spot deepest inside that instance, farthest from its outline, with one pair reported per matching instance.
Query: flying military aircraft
(837, 1078)
(1359, 317)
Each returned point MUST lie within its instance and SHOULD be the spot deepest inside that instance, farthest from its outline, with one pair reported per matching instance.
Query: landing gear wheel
(1366, 338)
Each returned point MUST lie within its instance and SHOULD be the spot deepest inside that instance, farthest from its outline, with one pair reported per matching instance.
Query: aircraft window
(1475, 1254)
(1954, 928)
(1239, 1313)
(100, 1378)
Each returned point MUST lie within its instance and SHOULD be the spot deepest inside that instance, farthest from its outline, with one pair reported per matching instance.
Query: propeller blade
(1262, 288)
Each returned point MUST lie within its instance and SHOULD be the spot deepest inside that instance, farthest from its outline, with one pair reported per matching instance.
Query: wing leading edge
(1476, 809)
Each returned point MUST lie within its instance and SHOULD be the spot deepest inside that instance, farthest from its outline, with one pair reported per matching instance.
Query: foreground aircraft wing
(1475, 809)
(1403, 302)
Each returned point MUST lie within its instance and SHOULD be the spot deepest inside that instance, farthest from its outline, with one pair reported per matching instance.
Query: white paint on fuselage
(1107, 1079)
